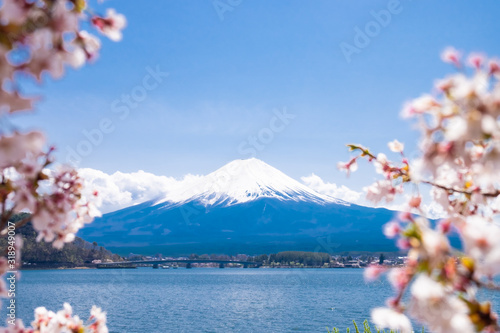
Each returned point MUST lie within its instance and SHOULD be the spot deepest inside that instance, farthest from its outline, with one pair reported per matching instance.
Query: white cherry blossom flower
(382, 190)
(396, 146)
(419, 106)
(438, 308)
(16, 147)
(481, 242)
(391, 319)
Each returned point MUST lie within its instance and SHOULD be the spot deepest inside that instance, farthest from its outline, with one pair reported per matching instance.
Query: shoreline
(261, 267)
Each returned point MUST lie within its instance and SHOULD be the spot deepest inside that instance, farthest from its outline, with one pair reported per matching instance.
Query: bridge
(187, 262)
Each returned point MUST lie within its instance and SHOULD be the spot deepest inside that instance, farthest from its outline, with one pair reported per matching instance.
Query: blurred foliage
(42, 254)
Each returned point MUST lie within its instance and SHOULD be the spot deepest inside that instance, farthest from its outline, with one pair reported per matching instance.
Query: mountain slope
(42, 254)
(248, 207)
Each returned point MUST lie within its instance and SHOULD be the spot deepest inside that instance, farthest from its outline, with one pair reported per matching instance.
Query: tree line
(42, 254)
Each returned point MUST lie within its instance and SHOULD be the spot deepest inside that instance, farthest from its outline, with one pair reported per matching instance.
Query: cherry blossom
(111, 25)
(399, 278)
(349, 167)
(389, 318)
(382, 190)
(64, 321)
(48, 35)
(392, 229)
(458, 162)
(373, 272)
(18, 146)
(12, 102)
(14, 11)
(396, 146)
(451, 55)
(438, 308)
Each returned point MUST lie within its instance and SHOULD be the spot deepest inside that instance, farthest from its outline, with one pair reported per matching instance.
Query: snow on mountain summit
(245, 180)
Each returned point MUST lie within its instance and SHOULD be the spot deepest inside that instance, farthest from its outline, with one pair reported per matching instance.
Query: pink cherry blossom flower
(348, 167)
(476, 60)
(494, 66)
(16, 147)
(451, 55)
(99, 318)
(415, 202)
(392, 229)
(14, 11)
(382, 190)
(43, 31)
(398, 278)
(405, 216)
(403, 244)
(63, 19)
(23, 198)
(372, 272)
(13, 102)
(90, 44)
(111, 25)
(445, 226)
(459, 161)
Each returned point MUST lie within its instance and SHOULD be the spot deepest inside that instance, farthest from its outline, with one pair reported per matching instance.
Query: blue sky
(228, 77)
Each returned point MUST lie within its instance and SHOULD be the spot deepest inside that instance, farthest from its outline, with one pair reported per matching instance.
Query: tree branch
(449, 189)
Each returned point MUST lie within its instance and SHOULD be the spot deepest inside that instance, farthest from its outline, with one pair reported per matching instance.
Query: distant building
(352, 264)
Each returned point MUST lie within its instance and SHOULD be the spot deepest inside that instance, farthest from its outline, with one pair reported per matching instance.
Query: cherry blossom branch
(450, 189)
(460, 148)
(488, 285)
(49, 35)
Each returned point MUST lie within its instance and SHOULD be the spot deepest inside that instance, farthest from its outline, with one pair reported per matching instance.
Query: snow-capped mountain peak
(245, 180)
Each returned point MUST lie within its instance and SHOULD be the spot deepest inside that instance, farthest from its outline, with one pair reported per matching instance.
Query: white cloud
(342, 192)
(120, 190)
(430, 207)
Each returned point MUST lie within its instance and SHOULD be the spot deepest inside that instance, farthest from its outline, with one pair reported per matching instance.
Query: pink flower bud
(445, 226)
(494, 66)
(415, 202)
(475, 60)
(451, 55)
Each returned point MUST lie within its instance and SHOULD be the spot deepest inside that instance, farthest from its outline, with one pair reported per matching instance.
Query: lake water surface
(207, 299)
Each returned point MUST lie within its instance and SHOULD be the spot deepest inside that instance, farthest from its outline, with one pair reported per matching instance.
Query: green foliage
(300, 257)
(366, 329)
(76, 253)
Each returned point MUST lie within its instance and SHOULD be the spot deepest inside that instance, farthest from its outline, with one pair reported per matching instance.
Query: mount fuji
(242, 181)
(246, 206)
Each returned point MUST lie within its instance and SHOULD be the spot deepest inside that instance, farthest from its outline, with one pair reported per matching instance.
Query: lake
(207, 299)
